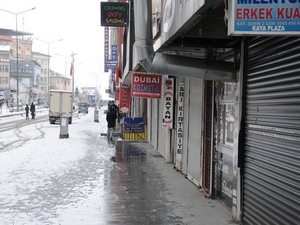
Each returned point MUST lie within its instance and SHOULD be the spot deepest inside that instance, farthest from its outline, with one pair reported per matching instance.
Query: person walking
(111, 117)
(32, 110)
(27, 111)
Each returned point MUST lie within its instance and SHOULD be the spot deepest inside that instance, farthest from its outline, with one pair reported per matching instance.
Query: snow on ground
(49, 180)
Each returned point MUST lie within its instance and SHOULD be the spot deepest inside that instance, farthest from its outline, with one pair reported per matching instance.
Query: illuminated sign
(114, 14)
(263, 17)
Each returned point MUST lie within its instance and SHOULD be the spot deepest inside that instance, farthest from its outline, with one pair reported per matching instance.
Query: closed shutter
(154, 120)
(194, 130)
(162, 133)
(272, 132)
(207, 139)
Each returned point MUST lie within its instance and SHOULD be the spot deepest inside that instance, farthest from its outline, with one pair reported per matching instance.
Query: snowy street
(86, 180)
(47, 180)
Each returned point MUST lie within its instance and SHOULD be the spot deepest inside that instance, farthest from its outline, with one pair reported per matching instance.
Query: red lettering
(261, 14)
(280, 13)
(254, 13)
(269, 13)
(246, 14)
(239, 14)
(288, 13)
(297, 13)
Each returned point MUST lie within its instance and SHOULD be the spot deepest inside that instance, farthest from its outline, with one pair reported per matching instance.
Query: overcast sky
(77, 22)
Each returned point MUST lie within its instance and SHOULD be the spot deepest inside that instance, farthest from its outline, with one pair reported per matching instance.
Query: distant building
(59, 82)
(4, 69)
(16, 64)
(42, 60)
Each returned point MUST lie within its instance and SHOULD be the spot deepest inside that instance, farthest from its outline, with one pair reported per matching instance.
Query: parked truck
(61, 103)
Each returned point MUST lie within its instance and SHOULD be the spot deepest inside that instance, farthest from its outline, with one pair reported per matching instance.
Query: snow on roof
(4, 47)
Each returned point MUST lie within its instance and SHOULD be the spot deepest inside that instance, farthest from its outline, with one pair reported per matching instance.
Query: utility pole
(17, 47)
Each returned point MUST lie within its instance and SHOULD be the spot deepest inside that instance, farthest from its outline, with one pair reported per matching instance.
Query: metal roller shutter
(194, 130)
(162, 133)
(272, 132)
(154, 121)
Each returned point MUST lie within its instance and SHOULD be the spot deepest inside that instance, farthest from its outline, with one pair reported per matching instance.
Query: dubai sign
(145, 85)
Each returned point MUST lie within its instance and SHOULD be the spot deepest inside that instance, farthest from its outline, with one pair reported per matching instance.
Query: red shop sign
(124, 99)
(145, 85)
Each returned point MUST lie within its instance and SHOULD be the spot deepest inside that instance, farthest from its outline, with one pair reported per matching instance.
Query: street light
(72, 73)
(17, 46)
(48, 44)
(65, 56)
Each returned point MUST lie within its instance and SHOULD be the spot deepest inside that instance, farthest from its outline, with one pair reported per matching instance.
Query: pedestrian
(32, 110)
(111, 117)
(115, 109)
(27, 111)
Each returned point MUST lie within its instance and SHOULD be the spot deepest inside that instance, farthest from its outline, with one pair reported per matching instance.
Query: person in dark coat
(27, 111)
(111, 117)
(32, 110)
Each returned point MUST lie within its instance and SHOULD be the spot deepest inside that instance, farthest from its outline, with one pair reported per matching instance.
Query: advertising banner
(180, 110)
(258, 17)
(114, 14)
(106, 47)
(117, 94)
(145, 85)
(134, 125)
(124, 98)
(114, 52)
(168, 103)
(111, 64)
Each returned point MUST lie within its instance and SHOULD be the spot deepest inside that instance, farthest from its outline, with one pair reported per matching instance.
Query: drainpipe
(189, 67)
(145, 60)
(143, 46)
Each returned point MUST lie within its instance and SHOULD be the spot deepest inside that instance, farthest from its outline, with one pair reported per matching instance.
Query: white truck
(61, 103)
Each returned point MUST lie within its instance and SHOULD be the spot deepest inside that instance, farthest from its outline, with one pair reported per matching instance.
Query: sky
(76, 22)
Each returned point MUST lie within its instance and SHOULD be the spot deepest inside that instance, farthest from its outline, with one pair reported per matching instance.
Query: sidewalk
(143, 189)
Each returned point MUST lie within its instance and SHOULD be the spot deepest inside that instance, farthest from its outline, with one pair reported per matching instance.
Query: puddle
(129, 154)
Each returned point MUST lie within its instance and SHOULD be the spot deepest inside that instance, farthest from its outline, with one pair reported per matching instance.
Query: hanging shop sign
(114, 52)
(124, 98)
(179, 146)
(168, 103)
(117, 94)
(111, 64)
(145, 85)
(106, 47)
(260, 17)
(114, 14)
(134, 125)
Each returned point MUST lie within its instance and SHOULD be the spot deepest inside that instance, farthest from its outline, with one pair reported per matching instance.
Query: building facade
(234, 123)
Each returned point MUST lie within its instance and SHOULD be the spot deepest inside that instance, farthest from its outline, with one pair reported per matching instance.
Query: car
(83, 108)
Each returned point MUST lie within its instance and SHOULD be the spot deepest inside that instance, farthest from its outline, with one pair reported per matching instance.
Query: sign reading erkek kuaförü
(259, 17)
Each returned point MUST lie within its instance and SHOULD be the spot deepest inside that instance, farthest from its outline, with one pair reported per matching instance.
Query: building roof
(39, 54)
(9, 32)
(5, 48)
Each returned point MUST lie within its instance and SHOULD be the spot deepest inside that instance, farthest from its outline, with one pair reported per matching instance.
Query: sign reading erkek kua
(114, 14)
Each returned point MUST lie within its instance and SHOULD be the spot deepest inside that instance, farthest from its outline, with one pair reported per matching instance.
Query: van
(83, 108)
